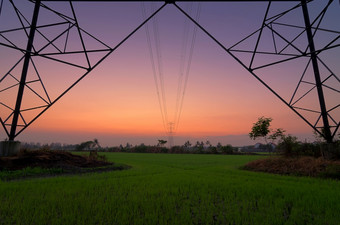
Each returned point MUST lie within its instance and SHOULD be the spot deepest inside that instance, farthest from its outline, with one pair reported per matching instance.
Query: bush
(163, 150)
(332, 171)
(227, 149)
(45, 148)
(288, 145)
(142, 148)
(331, 151)
(309, 149)
(94, 156)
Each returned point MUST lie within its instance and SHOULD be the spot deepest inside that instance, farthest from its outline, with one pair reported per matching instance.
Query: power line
(193, 40)
(182, 63)
(160, 66)
(153, 64)
(155, 54)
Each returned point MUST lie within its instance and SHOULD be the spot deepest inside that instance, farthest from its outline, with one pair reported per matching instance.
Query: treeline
(198, 148)
(290, 146)
(51, 146)
(187, 147)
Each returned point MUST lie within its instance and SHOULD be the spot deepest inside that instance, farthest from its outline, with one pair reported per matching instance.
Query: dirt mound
(299, 166)
(52, 159)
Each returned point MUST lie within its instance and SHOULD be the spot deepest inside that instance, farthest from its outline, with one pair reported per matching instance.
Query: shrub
(309, 149)
(227, 149)
(142, 148)
(45, 147)
(213, 150)
(288, 145)
(331, 151)
(94, 156)
(332, 171)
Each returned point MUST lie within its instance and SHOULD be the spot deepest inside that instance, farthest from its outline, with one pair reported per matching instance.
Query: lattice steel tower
(14, 83)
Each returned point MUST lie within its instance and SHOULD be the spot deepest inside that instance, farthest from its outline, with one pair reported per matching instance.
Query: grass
(38, 172)
(172, 189)
(28, 172)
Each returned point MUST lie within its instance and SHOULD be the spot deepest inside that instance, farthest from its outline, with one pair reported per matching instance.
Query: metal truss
(15, 118)
(247, 52)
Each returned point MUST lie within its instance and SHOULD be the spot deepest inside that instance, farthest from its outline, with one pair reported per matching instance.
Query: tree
(227, 149)
(96, 143)
(261, 128)
(142, 148)
(288, 145)
(128, 146)
(187, 144)
(84, 146)
(278, 133)
(199, 146)
(161, 143)
(219, 145)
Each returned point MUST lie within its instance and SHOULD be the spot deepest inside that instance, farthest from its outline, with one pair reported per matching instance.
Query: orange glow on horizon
(120, 96)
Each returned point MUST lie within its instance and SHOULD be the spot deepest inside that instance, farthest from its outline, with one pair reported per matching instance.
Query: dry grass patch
(51, 159)
(299, 166)
(45, 163)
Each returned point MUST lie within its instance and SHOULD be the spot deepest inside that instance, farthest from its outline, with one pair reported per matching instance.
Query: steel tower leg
(327, 131)
(27, 59)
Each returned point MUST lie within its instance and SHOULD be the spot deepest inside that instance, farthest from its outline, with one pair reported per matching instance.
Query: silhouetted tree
(84, 146)
(260, 129)
(279, 133)
(161, 143)
(96, 143)
(199, 146)
(227, 149)
(187, 144)
(128, 145)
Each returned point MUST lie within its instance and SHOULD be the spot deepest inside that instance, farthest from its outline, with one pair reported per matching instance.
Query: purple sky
(118, 102)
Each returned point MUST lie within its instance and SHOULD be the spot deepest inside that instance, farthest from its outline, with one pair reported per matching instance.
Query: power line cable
(160, 65)
(184, 68)
(182, 61)
(151, 56)
(198, 14)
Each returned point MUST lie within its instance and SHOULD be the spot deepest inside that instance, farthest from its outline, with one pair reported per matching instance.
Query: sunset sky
(118, 103)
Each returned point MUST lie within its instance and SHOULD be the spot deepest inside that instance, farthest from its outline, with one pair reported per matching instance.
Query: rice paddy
(171, 189)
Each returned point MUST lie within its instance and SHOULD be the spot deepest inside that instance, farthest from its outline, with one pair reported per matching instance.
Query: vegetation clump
(199, 147)
(261, 129)
(52, 162)
(317, 159)
(50, 159)
(298, 166)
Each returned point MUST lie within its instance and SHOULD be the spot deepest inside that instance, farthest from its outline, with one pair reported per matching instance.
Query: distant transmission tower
(171, 134)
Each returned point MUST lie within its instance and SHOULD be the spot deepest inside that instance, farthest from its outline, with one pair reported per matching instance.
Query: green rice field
(171, 189)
